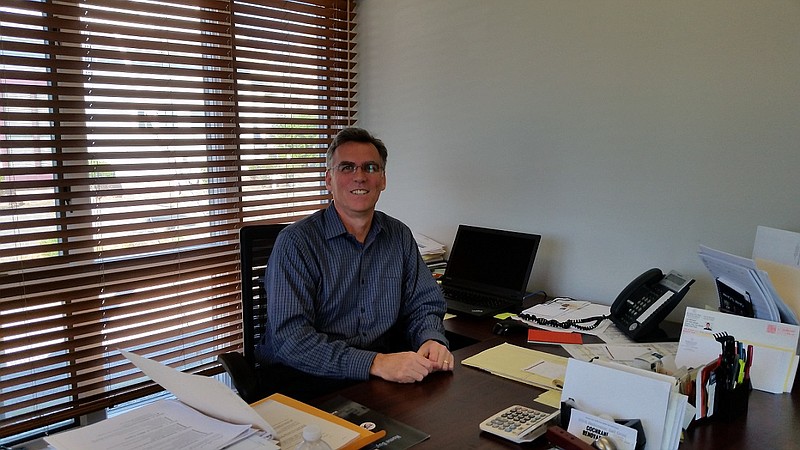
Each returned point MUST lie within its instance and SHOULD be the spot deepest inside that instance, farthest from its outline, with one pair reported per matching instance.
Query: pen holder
(730, 404)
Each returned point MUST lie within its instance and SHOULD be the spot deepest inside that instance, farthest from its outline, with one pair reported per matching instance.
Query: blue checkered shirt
(332, 300)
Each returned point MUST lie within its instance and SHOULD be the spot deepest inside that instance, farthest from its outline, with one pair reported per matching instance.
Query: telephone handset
(646, 302)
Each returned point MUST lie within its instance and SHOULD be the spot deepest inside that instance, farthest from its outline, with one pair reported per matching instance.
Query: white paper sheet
(204, 394)
(563, 309)
(621, 353)
(676, 408)
(428, 246)
(583, 426)
(776, 245)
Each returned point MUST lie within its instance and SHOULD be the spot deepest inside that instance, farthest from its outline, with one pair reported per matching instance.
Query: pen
(740, 359)
(740, 376)
(749, 362)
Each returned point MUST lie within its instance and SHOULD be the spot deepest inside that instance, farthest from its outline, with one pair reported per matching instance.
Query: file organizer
(625, 393)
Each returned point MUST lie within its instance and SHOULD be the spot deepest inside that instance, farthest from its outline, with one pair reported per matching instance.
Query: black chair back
(255, 247)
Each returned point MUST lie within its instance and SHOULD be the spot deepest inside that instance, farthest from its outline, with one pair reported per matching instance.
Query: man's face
(356, 193)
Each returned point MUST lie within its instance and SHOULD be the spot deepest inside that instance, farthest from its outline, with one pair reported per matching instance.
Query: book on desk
(399, 436)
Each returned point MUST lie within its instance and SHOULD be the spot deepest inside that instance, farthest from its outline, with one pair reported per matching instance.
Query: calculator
(519, 423)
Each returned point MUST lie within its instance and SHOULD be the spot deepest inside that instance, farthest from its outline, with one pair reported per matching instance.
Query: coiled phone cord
(578, 324)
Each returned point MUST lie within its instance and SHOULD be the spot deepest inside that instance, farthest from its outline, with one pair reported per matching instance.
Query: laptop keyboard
(474, 298)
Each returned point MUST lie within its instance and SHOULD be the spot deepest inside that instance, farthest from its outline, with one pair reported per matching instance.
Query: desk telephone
(646, 301)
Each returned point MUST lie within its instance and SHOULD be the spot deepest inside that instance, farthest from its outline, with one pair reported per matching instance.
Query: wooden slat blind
(135, 139)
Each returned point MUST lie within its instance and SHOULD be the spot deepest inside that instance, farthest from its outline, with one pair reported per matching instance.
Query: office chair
(255, 246)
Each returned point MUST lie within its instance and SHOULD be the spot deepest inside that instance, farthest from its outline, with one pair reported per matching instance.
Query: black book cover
(399, 436)
(732, 301)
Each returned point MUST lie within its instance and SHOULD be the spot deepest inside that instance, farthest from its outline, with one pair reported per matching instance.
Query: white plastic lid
(312, 433)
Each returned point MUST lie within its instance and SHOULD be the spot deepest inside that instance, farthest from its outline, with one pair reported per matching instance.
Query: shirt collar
(334, 226)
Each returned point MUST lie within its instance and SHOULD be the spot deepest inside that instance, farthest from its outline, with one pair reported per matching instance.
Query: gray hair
(353, 134)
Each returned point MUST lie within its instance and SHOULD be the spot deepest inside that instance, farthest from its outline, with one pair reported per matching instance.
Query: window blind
(136, 137)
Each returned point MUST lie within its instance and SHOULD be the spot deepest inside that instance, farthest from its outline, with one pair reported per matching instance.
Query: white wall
(626, 133)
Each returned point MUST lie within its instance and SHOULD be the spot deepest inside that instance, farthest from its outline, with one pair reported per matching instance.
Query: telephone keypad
(649, 296)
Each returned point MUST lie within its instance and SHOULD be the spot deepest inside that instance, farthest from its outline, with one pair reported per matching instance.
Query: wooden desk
(449, 406)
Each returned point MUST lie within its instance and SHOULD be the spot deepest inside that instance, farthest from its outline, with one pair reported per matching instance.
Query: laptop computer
(488, 270)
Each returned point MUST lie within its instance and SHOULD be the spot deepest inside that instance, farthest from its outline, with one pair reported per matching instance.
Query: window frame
(120, 226)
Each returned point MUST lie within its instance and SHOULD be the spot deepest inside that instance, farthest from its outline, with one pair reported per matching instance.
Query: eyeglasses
(349, 168)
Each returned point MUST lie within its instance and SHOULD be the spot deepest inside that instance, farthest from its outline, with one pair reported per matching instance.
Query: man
(348, 293)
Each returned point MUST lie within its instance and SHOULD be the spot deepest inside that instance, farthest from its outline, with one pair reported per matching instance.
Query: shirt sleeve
(424, 305)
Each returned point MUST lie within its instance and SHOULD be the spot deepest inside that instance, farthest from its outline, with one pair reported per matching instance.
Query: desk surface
(449, 406)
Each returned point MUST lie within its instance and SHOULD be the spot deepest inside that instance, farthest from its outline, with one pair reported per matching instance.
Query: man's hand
(410, 367)
(437, 354)
(405, 367)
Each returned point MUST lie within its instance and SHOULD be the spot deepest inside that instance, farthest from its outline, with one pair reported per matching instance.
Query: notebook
(488, 270)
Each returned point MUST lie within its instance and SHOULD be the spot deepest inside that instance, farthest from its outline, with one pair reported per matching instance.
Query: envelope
(775, 346)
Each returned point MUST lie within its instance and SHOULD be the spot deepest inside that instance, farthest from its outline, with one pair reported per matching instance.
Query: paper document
(283, 417)
(586, 426)
(775, 346)
(428, 248)
(563, 309)
(623, 353)
(204, 394)
(743, 275)
(521, 364)
(163, 425)
(776, 245)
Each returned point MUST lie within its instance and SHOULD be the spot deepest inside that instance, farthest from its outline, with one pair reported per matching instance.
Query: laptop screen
(491, 260)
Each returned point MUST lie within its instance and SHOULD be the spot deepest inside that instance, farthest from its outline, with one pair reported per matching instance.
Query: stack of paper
(166, 424)
(430, 250)
(622, 392)
(743, 276)
(210, 416)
